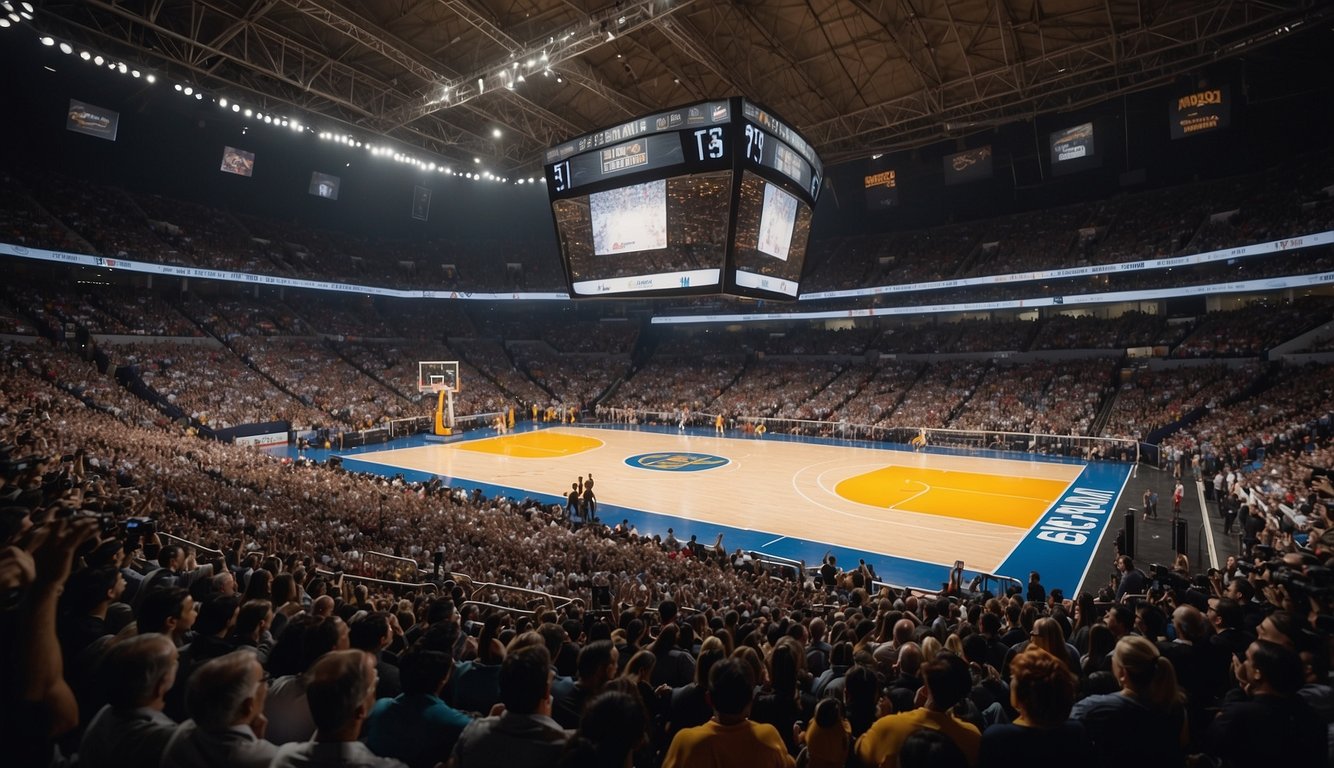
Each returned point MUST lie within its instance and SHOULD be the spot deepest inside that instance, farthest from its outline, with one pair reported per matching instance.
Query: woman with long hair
(1095, 667)
(1048, 636)
(1086, 617)
(1143, 723)
(782, 704)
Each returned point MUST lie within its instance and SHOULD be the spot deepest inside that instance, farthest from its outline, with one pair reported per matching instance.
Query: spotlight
(99, 61)
(284, 123)
(249, 113)
(151, 78)
(236, 107)
(5, 23)
(188, 91)
(495, 132)
(199, 97)
(86, 56)
(8, 6)
(48, 41)
(135, 74)
(222, 102)
(178, 87)
(268, 119)
(123, 69)
(66, 48)
(27, 7)
(477, 159)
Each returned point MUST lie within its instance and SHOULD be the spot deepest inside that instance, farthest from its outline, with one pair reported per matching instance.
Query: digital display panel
(629, 219)
(647, 207)
(1201, 111)
(773, 228)
(658, 237)
(1073, 149)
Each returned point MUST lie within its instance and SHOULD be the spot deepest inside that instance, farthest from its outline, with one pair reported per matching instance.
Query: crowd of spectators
(1155, 398)
(1250, 330)
(212, 386)
(258, 643)
(1048, 398)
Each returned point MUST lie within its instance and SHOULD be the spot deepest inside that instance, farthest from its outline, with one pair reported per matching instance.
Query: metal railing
(198, 547)
(529, 596)
(416, 568)
(424, 586)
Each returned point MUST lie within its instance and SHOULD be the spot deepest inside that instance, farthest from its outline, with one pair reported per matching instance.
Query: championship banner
(92, 120)
(237, 161)
(1200, 112)
(970, 165)
(882, 190)
(324, 185)
(421, 203)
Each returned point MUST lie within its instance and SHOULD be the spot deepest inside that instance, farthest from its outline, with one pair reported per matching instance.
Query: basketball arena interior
(968, 364)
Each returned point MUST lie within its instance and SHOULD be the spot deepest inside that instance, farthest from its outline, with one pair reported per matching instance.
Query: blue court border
(1060, 546)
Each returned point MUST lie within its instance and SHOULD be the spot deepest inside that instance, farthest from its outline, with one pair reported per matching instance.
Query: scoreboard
(710, 197)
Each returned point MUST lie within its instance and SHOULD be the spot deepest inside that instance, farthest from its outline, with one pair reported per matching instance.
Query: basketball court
(911, 514)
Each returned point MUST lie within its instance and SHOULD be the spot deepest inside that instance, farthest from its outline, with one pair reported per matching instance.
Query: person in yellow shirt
(829, 737)
(730, 737)
(947, 683)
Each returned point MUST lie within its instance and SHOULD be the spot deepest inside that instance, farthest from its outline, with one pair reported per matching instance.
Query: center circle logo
(677, 461)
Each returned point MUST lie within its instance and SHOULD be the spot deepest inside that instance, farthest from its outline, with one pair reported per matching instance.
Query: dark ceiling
(856, 76)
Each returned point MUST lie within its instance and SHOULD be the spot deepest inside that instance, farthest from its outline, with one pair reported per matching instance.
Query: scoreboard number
(561, 176)
(709, 143)
(755, 144)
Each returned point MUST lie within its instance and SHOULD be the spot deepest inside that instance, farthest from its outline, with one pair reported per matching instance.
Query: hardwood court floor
(928, 507)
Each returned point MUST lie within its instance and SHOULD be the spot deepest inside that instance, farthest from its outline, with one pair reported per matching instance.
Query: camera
(139, 527)
(106, 521)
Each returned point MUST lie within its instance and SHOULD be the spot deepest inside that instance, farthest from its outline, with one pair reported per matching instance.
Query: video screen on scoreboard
(1073, 149)
(629, 219)
(773, 227)
(658, 237)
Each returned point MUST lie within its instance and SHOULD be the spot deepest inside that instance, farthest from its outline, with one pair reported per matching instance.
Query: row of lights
(268, 119)
(96, 59)
(15, 15)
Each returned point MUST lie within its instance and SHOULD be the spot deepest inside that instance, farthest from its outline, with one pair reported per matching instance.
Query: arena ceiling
(856, 76)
